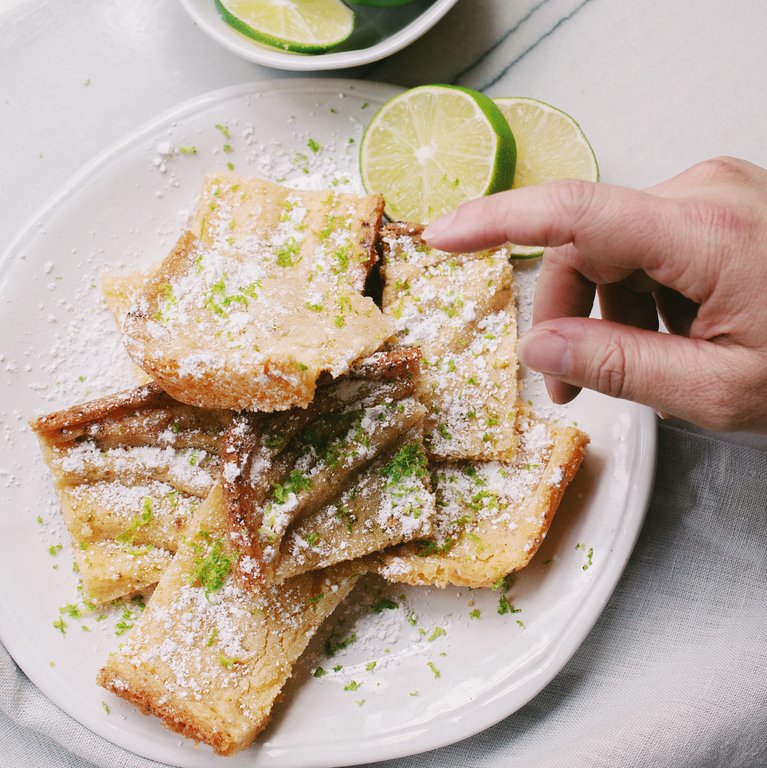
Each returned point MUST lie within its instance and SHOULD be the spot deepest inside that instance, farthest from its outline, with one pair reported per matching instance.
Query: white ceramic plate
(378, 33)
(58, 346)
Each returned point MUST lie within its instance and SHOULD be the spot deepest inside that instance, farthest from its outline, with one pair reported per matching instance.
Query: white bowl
(378, 32)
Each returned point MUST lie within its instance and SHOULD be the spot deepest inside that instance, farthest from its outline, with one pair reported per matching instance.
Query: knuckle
(720, 168)
(573, 201)
(609, 369)
(723, 219)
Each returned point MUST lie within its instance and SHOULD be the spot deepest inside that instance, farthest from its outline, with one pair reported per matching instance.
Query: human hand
(692, 249)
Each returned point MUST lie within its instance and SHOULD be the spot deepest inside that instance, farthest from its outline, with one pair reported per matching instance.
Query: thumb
(692, 379)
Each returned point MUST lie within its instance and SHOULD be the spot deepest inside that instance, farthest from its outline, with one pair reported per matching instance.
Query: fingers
(692, 379)
(677, 311)
(628, 229)
(561, 290)
(621, 303)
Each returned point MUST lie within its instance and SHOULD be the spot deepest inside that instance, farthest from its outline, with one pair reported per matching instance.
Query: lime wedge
(431, 148)
(550, 146)
(302, 26)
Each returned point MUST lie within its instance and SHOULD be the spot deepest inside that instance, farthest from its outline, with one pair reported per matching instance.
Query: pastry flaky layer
(346, 477)
(210, 658)
(260, 297)
(130, 469)
(491, 516)
(460, 310)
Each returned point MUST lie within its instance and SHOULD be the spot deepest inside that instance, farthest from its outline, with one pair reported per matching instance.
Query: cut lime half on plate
(432, 148)
(550, 146)
(301, 26)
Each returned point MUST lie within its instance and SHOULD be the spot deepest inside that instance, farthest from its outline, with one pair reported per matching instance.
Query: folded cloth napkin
(673, 674)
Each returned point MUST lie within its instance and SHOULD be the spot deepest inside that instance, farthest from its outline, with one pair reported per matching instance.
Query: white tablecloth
(675, 672)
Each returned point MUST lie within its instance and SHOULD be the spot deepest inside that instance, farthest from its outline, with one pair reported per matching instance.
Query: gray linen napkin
(673, 674)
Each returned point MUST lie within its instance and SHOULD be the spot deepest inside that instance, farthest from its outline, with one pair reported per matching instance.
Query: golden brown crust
(505, 541)
(270, 443)
(129, 470)
(568, 455)
(460, 309)
(388, 364)
(211, 659)
(171, 718)
(261, 297)
(147, 395)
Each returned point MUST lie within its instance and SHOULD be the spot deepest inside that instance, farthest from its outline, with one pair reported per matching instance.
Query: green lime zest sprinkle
(411, 619)
(452, 308)
(383, 604)
(475, 614)
(341, 255)
(40, 520)
(521, 623)
(190, 150)
(287, 253)
(224, 130)
(352, 685)
(128, 617)
(314, 307)
(337, 668)
(54, 549)
(589, 556)
(409, 461)
(295, 482)
(72, 610)
(319, 672)
(139, 521)
(444, 431)
(312, 539)
(227, 148)
(437, 674)
(502, 583)
(414, 693)
(314, 145)
(228, 662)
(61, 625)
(106, 707)
(438, 632)
(212, 639)
(316, 599)
(370, 666)
(230, 166)
(332, 648)
(211, 567)
(504, 606)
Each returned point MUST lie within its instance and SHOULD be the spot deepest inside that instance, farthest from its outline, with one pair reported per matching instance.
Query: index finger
(632, 229)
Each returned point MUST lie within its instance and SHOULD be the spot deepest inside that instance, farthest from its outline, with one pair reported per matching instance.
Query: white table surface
(656, 85)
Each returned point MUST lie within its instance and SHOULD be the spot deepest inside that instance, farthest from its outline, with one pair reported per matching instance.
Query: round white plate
(58, 346)
(378, 33)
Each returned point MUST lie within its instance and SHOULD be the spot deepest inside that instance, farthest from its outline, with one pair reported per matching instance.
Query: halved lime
(302, 26)
(550, 146)
(431, 148)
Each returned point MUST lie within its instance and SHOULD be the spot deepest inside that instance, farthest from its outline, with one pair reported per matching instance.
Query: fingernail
(439, 226)
(545, 351)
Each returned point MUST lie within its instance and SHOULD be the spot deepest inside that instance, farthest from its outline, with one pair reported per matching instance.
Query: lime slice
(432, 148)
(550, 146)
(302, 26)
